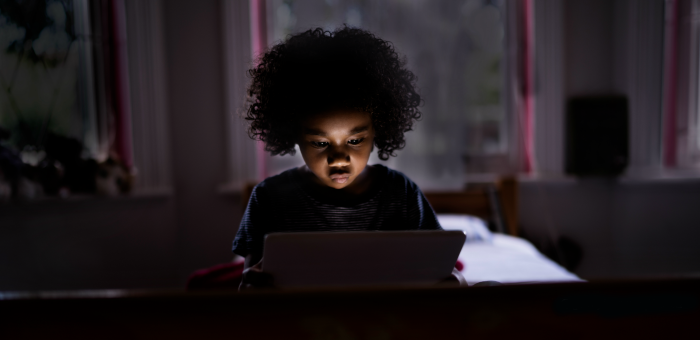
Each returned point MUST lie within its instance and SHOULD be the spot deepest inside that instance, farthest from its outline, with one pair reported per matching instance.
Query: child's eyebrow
(308, 131)
(359, 129)
(315, 132)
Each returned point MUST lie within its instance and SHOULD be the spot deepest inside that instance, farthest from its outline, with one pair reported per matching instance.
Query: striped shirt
(289, 203)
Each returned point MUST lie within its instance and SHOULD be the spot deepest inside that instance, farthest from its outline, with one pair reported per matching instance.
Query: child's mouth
(340, 178)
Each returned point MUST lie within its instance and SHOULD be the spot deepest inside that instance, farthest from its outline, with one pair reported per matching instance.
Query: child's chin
(336, 185)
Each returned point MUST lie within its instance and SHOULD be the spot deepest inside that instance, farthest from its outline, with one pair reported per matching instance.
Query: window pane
(44, 64)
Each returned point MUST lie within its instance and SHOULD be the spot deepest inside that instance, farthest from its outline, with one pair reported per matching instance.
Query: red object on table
(459, 265)
(221, 276)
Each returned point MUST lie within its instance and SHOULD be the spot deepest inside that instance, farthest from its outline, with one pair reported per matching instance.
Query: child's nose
(339, 159)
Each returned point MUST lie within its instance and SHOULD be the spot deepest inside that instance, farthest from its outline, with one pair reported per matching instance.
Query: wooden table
(623, 309)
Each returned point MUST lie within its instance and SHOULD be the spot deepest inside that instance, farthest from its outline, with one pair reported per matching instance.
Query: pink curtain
(258, 31)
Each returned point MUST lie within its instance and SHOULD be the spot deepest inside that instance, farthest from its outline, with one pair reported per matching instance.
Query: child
(336, 95)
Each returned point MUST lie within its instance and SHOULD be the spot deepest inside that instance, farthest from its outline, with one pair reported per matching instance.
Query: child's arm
(458, 276)
(421, 214)
(249, 242)
(249, 239)
(253, 276)
(455, 279)
(425, 218)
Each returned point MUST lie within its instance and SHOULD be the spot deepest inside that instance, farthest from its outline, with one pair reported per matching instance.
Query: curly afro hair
(316, 71)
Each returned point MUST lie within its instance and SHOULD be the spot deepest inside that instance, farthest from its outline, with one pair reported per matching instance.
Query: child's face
(336, 145)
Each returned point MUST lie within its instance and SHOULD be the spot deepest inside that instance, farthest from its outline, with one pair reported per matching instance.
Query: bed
(489, 256)
(487, 213)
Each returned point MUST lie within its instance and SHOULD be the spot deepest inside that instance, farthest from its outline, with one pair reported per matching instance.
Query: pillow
(474, 228)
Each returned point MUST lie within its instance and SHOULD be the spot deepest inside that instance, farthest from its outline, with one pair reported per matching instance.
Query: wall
(207, 221)
(88, 243)
(141, 242)
(625, 228)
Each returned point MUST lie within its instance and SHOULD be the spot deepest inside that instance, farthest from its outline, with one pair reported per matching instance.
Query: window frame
(682, 72)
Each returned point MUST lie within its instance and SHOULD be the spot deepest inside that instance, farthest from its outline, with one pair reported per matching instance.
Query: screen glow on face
(336, 146)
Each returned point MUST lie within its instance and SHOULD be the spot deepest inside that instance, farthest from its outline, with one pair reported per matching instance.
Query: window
(456, 50)
(48, 71)
(72, 76)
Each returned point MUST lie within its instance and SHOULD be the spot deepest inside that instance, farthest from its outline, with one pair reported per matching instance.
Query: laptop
(368, 258)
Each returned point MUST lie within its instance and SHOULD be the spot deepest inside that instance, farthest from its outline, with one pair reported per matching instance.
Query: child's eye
(355, 141)
(320, 144)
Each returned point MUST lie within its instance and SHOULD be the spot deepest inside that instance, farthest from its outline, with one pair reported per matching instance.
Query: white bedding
(502, 258)
(509, 259)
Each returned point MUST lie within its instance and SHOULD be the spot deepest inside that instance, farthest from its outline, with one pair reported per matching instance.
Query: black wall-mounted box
(597, 136)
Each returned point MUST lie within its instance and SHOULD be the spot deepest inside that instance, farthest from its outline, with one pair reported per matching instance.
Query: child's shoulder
(395, 180)
(397, 176)
(284, 182)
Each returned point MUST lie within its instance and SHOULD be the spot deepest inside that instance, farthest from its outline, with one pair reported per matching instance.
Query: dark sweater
(289, 203)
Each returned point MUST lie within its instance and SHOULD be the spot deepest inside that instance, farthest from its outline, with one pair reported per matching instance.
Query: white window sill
(640, 177)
